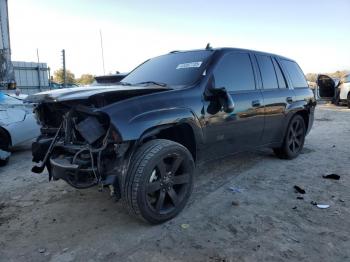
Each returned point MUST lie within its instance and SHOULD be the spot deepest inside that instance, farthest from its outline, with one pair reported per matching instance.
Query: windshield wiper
(152, 82)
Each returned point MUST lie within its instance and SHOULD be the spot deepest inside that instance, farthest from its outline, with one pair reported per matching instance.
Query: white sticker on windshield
(189, 65)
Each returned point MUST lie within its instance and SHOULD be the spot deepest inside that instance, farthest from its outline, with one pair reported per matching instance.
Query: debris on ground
(235, 203)
(332, 176)
(313, 203)
(322, 206)
(185, 226)
(294, 208)
(299, 190)
(236, 189)
(300, 197)
(42, 250)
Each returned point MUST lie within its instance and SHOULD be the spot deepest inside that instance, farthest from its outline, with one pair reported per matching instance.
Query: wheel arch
(180, 125)
(181, 132)
(305, 115)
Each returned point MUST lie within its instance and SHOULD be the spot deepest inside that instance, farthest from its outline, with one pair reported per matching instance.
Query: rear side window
(267, 71)
(280, 76)
(295, 73)
(235, 72)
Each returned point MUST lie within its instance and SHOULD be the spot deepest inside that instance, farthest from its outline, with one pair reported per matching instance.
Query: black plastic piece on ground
(299, 190)
(332, 176)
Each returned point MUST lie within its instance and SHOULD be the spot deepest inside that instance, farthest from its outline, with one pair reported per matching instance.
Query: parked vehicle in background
(334, 89)
(344, 90)
(17, 124)
(143, 137)
(109, 79)
(54, 85)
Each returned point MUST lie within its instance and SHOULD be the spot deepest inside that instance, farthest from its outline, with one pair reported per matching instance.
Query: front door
(241, 129)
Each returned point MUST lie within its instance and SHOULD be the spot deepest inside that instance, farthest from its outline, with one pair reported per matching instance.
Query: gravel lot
(262, 221)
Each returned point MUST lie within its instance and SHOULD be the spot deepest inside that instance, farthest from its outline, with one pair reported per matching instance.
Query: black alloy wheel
(296, 135)
(294, 139)
(168, 184)
(159, 181)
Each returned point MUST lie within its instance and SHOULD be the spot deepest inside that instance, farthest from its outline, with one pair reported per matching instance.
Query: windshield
(174, 69)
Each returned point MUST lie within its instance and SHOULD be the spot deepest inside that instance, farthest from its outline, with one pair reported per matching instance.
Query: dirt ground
(261, 220)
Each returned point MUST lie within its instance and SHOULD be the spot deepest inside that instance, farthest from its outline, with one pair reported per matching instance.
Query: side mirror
(221, 94)
(226, 101)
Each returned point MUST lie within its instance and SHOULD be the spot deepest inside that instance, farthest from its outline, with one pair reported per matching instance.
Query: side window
(295, 73)
(267, 71)
(235, 72)
(280, 76)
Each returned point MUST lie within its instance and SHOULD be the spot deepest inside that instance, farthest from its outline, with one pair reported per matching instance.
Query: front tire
(348, 100)
(294, 139)
(160, 181)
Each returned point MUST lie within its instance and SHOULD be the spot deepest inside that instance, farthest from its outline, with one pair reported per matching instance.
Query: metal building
(6, 70)
(29, 77)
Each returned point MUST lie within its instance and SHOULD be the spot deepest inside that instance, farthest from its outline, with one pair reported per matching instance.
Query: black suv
(143, 137)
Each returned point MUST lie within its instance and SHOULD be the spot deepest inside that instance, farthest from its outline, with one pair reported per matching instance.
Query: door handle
(289, 99)
(256, 103)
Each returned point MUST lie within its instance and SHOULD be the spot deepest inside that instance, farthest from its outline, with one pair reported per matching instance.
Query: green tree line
(84, 79)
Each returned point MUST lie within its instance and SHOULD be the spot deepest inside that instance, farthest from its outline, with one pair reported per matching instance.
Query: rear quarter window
(295, 73)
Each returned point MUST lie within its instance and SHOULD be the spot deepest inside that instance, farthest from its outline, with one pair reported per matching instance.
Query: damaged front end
(79, 145)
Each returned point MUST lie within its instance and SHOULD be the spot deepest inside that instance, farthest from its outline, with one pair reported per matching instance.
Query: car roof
(228, 49)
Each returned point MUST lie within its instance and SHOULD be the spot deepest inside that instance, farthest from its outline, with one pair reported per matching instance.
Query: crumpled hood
(77, 93)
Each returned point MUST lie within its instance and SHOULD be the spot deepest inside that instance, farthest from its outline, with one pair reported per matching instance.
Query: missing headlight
(90, 129)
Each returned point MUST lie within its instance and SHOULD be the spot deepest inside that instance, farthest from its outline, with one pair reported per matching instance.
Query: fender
(151, 122)
(307, 106)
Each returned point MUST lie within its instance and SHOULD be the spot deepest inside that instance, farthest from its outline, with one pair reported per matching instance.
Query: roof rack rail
(175, 51)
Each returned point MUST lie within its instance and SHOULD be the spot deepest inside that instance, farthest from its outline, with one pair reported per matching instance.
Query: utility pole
(39, 75)
(64, 68)
(103, 59)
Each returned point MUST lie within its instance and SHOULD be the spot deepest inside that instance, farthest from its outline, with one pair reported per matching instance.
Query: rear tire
(294, 139)
(159, 181)
(348, 100)
(4, 145)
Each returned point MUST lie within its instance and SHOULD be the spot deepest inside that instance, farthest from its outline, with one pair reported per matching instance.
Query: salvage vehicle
(17, 124)
(143, 137)
(333, 89)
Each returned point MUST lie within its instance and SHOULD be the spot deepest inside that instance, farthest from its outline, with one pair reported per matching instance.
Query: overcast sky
(316, 33)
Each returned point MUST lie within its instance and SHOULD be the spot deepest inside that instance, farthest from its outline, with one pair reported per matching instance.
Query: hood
(78, 93)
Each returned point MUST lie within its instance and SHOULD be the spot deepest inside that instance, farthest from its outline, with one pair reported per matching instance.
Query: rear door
(277, 97)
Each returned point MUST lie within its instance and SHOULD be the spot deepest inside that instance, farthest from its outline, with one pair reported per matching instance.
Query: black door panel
(276, 107)
(242, 128)
(277, 98)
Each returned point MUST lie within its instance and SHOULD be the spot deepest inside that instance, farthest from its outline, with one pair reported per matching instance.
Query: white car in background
(344, 90)
(17, 124)
(334, 89)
